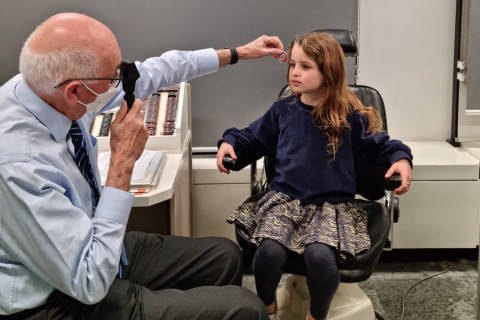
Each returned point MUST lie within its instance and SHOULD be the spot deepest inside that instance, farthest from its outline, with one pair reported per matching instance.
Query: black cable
(437, 274)
(378, 317)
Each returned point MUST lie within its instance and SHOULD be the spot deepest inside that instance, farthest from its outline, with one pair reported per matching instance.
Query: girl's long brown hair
(331, 114)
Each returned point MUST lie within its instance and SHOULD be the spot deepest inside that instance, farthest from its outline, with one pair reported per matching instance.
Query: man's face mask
(101, 99)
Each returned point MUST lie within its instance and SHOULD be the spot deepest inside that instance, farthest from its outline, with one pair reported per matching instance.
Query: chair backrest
(370, 178)
(345, 38)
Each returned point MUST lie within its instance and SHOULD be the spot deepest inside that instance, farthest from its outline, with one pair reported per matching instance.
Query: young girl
(314, 134)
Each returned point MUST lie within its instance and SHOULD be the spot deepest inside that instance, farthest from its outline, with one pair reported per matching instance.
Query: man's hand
(225, 149)
(263, 46)
(127, 141)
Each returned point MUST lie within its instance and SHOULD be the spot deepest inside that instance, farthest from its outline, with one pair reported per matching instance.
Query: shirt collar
(56, 122)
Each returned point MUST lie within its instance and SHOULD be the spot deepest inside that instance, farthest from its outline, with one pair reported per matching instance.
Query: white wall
(406, 52)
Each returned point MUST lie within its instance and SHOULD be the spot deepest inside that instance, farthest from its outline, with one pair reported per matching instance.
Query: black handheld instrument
(130, 76)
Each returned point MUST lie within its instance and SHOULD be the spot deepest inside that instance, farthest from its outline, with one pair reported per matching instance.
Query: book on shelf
(160, 110)
(96, 125)
(105, 127)
(100, 126)
(146, 171)
(151, 116)
(171, 113)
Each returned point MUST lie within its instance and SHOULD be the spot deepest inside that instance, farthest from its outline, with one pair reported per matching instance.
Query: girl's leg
(322, 277)
(267, 269)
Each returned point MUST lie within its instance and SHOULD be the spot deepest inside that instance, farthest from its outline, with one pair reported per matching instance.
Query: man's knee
(228, 250)
(247, 304)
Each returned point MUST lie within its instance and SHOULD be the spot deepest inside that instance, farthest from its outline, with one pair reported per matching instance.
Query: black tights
(322, 273)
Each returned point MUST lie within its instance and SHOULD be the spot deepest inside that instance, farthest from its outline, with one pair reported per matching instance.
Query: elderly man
(64, 252)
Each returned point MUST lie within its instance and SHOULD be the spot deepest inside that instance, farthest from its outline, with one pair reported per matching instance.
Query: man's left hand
(263, 46)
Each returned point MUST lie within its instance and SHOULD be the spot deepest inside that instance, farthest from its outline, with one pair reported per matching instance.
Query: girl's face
(304, 75)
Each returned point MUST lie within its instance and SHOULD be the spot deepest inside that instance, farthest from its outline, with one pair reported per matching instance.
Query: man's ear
(71, 91)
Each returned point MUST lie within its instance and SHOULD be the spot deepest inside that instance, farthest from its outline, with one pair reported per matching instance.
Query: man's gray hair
(44, 70)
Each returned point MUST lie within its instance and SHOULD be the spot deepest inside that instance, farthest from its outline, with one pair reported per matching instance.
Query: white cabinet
(215, 196)
(441, 210)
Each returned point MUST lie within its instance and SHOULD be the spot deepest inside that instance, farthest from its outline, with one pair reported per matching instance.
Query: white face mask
(101, 99)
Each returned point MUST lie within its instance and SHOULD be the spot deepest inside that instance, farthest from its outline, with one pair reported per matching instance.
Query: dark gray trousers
(168, 278)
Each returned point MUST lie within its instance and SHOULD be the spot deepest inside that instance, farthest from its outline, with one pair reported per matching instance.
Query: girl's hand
(225, 149)
(403, 168)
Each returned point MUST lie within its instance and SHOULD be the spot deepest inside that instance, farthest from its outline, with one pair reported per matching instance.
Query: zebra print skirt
(288, 221)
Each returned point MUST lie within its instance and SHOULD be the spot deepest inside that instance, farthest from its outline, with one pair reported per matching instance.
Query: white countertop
(439, 160)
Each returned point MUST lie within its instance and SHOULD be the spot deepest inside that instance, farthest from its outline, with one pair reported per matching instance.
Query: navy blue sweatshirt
(303, 168)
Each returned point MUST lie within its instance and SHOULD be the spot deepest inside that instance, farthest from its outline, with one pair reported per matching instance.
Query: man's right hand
(128, 136)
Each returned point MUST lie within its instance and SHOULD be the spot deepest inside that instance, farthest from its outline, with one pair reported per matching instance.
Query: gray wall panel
(234, 96)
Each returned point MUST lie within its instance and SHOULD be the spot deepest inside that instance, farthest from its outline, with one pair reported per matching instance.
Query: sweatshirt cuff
(229, 139)
(400, 155)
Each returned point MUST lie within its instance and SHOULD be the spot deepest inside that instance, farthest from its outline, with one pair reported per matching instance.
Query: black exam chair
(349, 303)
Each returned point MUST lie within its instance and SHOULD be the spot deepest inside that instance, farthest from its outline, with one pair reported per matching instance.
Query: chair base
(349, 302)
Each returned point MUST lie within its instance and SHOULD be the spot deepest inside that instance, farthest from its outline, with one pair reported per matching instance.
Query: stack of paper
(145, 173)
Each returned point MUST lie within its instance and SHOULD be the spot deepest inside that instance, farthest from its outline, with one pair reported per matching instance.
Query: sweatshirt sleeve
(378, 148)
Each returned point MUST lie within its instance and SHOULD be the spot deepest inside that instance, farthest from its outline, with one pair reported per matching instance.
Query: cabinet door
(438, 214)
(213, 204)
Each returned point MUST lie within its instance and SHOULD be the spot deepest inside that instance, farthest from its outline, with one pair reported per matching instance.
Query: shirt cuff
(115, 205)
(207, 61)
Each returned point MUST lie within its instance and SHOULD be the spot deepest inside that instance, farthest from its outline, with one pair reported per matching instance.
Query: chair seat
(355, 270)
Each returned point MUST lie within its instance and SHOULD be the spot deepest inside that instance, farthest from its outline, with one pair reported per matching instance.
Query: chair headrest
(346, 38)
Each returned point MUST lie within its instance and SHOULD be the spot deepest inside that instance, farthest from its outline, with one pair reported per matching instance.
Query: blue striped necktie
(82, 161)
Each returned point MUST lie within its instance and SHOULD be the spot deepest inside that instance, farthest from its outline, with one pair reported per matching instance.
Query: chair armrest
(393, 182)
(229, 163)
(237, 165)
(243, 159)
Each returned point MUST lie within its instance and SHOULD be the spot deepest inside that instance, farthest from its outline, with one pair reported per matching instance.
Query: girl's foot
(309, 316)
(272, 311)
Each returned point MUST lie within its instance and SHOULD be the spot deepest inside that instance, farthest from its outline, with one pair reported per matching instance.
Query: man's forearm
(224, 57)
(119, 175)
